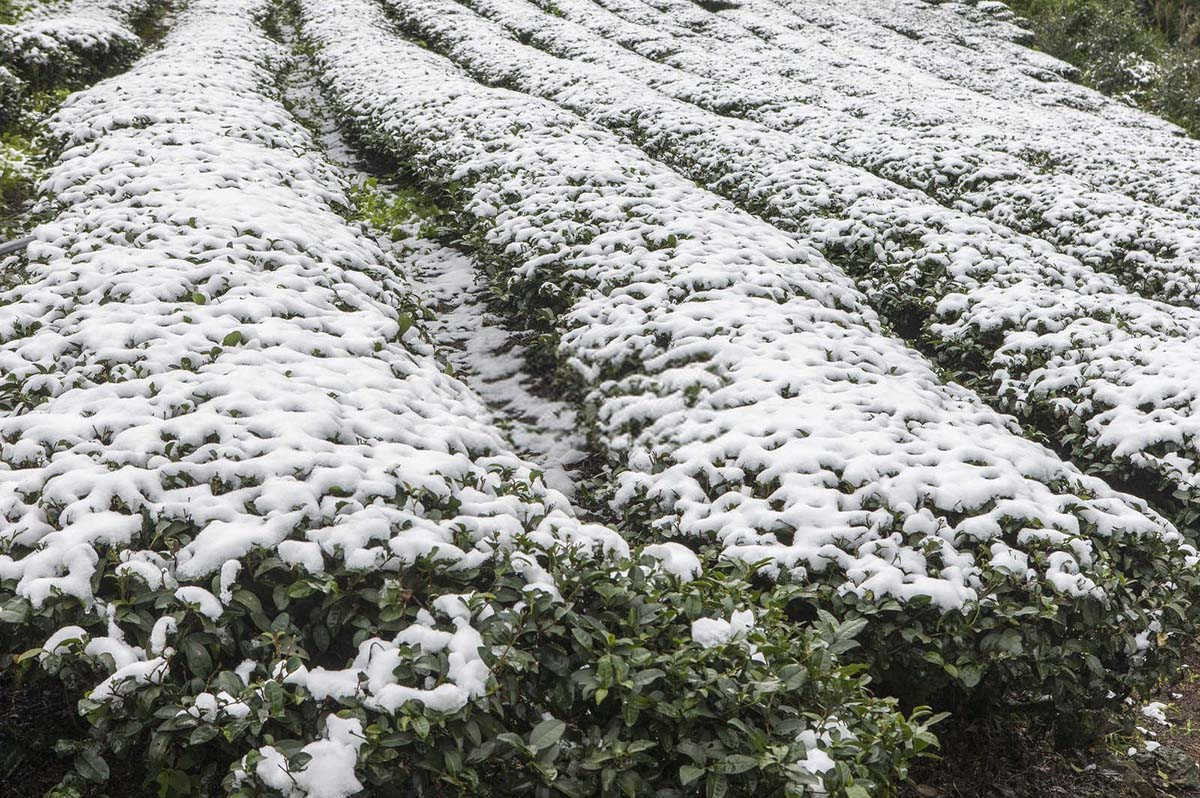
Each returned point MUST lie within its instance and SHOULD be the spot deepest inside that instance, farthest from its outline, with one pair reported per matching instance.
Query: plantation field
(589, 398)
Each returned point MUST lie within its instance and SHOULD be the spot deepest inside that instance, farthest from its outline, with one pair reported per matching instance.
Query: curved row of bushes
(1019, 101)
(264, 545)
(1042, 118)
(45, 52)
(75, 45)
(962, 44)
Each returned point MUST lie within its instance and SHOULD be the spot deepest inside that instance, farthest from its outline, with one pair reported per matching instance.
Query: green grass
(391, 208)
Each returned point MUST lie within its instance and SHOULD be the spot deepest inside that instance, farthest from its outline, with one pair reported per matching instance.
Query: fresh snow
(676, 559)
(709, 632)
(482, 351)
(1043, 318)
(330, 772)
(76, 36)
(491, 360)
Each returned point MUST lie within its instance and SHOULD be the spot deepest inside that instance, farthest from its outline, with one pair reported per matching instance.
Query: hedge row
(74, 45)
(1127, 49)
(44, 52)
(1086, 142)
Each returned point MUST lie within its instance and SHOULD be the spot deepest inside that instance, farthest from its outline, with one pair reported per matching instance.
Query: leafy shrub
(1179, 20)
(1023, 645)
(600, 692)
(67, 51)
(1139, 51)
(10, 96)
(10, 10)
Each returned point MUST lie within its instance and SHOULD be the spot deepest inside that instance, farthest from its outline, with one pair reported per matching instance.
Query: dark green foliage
(716, 5)
(1143, 51)
(11, 90)
(10, 11)
(1179, 20)
(600, 693)
(35, 712)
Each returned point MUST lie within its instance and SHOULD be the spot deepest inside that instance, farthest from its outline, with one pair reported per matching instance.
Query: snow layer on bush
(203, 345)
(371, 677)
(676, 559)
(330, 772)
(1128, 212)
(81, 37)
(39, 43)
(710, 632)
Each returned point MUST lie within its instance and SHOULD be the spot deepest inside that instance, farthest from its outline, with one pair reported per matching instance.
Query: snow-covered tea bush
(84, 41)
(608, 678)
(258, 538)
